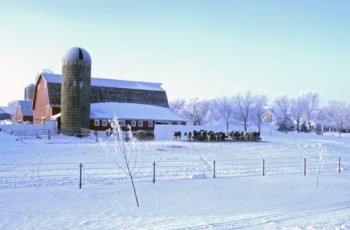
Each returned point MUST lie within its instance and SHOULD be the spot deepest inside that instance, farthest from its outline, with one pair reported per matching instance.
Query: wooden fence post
(304, 166)
(214, 164)
(263, 167)
(154, 172)
(80, 175)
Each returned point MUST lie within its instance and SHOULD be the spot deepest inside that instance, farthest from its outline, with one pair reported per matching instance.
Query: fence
(33, 133)
(106, 173)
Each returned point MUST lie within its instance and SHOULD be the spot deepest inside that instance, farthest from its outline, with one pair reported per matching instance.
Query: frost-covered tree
(311, 101)
(282, 106)
(244, 104)
(298, 107)
(123, 154)
(258, 110)
(222, 108)
(196, 111)
(177, 105)
(339, 111)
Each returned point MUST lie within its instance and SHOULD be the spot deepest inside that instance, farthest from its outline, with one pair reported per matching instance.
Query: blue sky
(203, 49)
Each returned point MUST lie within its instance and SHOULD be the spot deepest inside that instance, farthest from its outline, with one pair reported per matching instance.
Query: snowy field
(39, 184)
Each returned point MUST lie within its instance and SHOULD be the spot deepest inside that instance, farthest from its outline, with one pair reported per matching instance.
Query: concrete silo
(75, 92)
(29, 92)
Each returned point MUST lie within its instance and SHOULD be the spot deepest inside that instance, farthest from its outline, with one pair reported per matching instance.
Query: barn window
(140, 124)
(150, 123)
(178, 123)
(122, 123)
(104, 122)
(96, 123)
(133, 123)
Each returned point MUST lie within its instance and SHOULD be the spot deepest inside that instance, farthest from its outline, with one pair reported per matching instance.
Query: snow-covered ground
(39, 184)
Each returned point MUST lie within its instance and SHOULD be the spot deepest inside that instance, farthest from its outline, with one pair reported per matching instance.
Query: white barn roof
(103, 82)
(108, 110)
(26, 107)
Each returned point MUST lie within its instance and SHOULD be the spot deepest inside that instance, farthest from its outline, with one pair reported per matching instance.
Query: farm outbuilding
(24, 112)
(4, 115)
(138, 116)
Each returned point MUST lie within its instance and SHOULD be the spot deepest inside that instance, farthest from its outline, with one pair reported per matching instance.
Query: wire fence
(52, 134)
(107, 173)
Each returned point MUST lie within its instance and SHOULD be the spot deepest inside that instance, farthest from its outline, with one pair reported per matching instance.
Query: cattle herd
(203, 135)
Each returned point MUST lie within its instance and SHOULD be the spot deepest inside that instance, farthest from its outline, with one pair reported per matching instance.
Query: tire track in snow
(260, 221)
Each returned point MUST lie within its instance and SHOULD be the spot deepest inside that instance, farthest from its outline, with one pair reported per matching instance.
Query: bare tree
(177, 105)
(311, 105)
(339, 111)
(122, 153)
(196, 111)
(244, 104)
(223, 108)
(282, 106)
(259, 110)
(298, 107)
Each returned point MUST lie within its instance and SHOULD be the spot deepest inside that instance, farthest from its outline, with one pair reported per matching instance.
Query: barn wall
(18, 115)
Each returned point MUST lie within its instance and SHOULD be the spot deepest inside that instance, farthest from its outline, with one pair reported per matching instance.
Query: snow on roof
(52, 78)
(3, 111)
(133, 111)
(113, 83)
(126, 84)
(26, 107)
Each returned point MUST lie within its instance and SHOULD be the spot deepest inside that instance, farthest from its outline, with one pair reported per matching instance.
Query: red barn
(140, 104)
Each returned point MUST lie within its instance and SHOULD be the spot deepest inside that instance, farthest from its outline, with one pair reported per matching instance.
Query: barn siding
(18, 115)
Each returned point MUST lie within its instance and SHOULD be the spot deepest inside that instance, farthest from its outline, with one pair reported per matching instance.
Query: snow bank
(6, 139)
(199, 176)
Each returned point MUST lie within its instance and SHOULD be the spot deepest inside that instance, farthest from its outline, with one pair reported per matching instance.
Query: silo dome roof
(77, 54)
